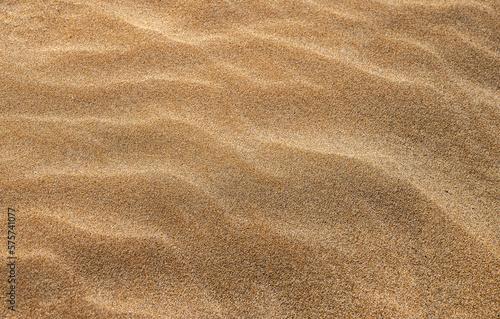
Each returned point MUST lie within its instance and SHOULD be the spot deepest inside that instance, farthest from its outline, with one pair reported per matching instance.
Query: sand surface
(251, 158)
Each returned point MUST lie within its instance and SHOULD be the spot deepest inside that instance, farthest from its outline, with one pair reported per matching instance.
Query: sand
(251, 158)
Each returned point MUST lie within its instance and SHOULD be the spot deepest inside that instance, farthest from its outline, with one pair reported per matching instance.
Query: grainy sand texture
(250, 159)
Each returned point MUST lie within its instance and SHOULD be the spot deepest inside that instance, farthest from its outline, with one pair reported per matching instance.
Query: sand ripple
(253, 159)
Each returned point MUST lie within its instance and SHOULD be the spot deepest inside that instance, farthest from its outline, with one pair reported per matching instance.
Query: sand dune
(252, 159)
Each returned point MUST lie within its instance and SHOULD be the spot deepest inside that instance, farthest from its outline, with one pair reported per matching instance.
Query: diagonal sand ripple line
(429, 184)
(338, 56)
(156, 116)
(254, 78)
(148, 21)
(95, 48)
(343, 13)
(446, 4)
(469, 39)
(117, 170)
(92, 81)
(48, 254)
(176, 307)
(117, 228)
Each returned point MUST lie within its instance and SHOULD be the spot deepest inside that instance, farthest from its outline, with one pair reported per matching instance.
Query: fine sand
(251, 158)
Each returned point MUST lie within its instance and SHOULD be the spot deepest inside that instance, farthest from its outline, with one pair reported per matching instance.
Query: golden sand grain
(251, 159)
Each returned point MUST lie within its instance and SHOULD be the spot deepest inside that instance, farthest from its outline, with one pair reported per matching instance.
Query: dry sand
(251, 159)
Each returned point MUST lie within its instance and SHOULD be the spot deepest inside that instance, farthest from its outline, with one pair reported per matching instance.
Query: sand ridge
(252, 159)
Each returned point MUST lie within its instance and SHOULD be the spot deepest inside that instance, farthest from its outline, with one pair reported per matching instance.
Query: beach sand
(250, 158)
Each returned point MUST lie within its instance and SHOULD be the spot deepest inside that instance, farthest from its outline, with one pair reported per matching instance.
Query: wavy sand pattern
(252, 159)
